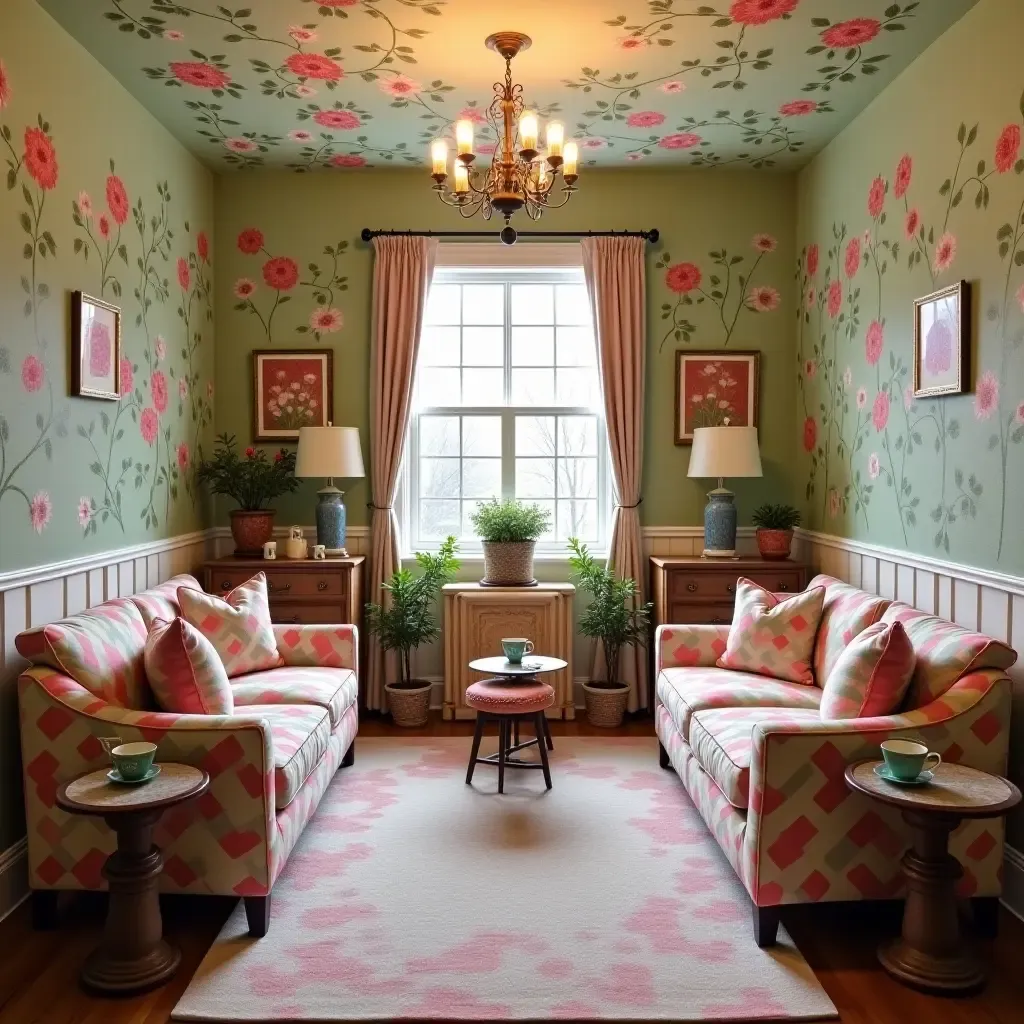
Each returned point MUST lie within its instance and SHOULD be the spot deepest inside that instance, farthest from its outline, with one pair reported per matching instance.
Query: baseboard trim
(14, 888)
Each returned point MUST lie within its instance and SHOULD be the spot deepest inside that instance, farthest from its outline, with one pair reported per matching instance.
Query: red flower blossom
(203, 246)
(645, 119)
(158, 389)
(854, 32)
(876, 197)
(810, 433)
(986, 395)
(945, 253)
(835, 298)
(40, 158)
(901, 182)
(127, 378)
(33, 373)
(279, 455)
(852, 264)
(250, 241)
(250, 453)
(812, 259)
(183, 456)
(148, 425)
(758, 12)
(911, 223)
(281, 273)
(873, 342)
(199, 73)
(1007, 148)
(348, 160)
(117, 199)
(5, 87)
(184, 277)
(798, 108)
(103, 225)
(880, 410)
(314, 65)
(683, 277)
(342, 119)
(680, 140)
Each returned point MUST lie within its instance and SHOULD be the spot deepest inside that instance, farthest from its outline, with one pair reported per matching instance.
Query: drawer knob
(322, 585)
(783, 586)
(691, 587)
(730, 588)
(294, 618)
(225, 584)
(280, 586)
(718, 621)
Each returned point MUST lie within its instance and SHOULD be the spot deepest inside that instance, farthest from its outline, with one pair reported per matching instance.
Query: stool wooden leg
(502, 749)
(515, 732)
(541, 726)
(475, 750)
(547, 732)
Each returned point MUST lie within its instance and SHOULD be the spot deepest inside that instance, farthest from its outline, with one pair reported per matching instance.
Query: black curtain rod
(651, 236)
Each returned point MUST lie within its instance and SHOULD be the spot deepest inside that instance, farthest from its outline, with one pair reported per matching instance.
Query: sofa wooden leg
(44, 909)
(663, 759)
(350, 756)
(766, 925)
(257, 913)
(986, 916)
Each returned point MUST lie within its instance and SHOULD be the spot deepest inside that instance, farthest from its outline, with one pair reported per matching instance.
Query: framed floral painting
(292, 388)
(942, 354)
(715, 389)
(95, 348)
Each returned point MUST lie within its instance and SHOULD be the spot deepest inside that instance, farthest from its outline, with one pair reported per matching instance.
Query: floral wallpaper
(891, 212)
(346, 83)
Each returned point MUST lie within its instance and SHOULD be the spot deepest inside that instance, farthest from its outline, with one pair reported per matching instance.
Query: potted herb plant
(406, 619)
(775, 530)
(509, 530)
(253, 481)
(614, 617)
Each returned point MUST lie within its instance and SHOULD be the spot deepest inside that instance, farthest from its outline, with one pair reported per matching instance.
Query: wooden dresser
(703, 590)
(303, 591)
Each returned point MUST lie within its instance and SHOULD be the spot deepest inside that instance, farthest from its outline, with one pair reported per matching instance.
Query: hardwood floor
(39, 970)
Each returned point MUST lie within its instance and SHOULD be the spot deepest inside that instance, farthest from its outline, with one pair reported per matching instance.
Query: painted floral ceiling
(343, 83)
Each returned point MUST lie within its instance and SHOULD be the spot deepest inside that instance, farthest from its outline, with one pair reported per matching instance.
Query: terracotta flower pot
(774, 545)
(409, 705)
(606, 703)
(251, 530)
(508, 563)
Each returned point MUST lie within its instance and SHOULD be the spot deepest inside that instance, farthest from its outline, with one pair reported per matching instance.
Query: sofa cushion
(101, 649)
(335, 689)
(846, 613)
(299, 737)
(161, 602)
(184, 671)
(871, 676)
(772, 637)
(685, 691)
(721, 740)
(944, 653)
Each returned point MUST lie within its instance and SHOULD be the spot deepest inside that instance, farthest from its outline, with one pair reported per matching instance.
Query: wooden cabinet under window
(477, 617)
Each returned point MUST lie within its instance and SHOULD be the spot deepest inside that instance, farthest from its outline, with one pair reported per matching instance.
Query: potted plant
(775, 530)
(613, 617)
(253, 481)
(509, 530)
(406, 619)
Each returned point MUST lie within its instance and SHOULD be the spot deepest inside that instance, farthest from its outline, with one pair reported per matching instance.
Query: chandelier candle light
(329, 452)
(520, 178)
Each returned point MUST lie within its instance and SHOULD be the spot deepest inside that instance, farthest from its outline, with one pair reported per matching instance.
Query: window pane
(442, 304)
(577, 387)
(577, 435)
(439, 435)
(576, 347)
(577, 478)
(533, 346)
(533, 304)
(533, 387)
(439, 346)
(481, 435)
(483, 304)
(468, 508)
(483, 346)
(439, 478)
(481, 478)
(535, 435)
(438, 519)
(483, 387)
(437, 386)
(577, 519)
(571, 304)
(549, 507)
(535, 478)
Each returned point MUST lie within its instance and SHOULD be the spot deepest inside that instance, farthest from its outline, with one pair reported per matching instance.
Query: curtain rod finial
(366, 234)
(653, 235)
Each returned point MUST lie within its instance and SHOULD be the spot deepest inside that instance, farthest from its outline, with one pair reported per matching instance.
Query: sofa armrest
(688, 646)
(323, 646)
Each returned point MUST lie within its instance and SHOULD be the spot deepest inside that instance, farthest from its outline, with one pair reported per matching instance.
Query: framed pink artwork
(95, 348)
(715, 389)
(942, 325)
(292, 388)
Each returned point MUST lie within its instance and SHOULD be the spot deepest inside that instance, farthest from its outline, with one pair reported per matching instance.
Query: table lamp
(722, 452)
(330, 452)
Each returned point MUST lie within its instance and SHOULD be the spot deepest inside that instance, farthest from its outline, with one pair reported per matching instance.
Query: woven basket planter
(774, 545)
(508, 563)
(606, 703)
(409, 706)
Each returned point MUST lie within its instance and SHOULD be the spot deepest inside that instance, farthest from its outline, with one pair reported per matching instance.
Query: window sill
(477, 559)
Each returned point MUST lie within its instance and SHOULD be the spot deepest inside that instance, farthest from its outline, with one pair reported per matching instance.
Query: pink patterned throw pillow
(872, 674)
(771, 636)
(239, 627)
(185, 672)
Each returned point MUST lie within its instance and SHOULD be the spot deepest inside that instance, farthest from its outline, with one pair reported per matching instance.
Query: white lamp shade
(329, 452)
(724, 452)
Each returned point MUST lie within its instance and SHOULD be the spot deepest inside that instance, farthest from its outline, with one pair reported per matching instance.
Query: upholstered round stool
(508, 702)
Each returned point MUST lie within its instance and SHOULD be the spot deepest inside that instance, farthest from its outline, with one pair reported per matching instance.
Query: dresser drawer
(284, 583)
(781, 582)
(680, 612)
(702, 586)
(306, 614)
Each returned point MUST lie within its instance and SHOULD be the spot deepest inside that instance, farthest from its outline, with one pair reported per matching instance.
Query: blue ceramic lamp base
(331, 519)
(720, 524)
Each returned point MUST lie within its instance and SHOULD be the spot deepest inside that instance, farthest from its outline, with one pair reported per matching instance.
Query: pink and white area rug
(414, 896)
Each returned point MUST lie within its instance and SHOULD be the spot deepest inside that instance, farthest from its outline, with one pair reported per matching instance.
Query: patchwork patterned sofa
(269, 762)
(766, 772)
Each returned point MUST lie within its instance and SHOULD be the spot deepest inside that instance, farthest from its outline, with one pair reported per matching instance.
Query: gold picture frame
(95, 348)
(942, 334)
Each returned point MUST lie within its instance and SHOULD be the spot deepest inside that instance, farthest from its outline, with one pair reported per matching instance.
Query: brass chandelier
(520, 177)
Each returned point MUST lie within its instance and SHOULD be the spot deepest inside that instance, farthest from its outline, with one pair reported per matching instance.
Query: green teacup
(515, 647)
(133, 760)
(905, 759)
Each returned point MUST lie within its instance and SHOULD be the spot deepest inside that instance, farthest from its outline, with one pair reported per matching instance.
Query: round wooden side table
(930, 954)
(132, 956)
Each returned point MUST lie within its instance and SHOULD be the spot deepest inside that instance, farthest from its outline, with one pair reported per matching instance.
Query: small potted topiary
(509, 530)
(407, 619)
(775, 530)
(613, 617)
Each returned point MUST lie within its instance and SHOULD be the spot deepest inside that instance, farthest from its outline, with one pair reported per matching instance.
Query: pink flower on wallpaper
(833, 502)
(33, 374)
(810, 433)
(160, 348)
(301, 34)
(759, 12)
(300, 135)
(182, 388)
(173, 35)
(127, 377)
(5, 87)
(873, 342)
(810, 369)
(938, 348)
(101, 349)
(764, 243)
(945, 253)
(810, 299)
(812, 259)
(486, 148)
(183, 456)
(303, 91)
(40, 511)
(84, 512)
(880, 410)
(250, 241)
(855, 32)
(158, 389)
(835, 298)
(472, 114)
(103, 225)
(199, 73)
(343, 120)
(683, 277)
(632, 43)
(348, 160)
(874, 466)
(400, 86)
(908, 397)
(672, 88)
(593, 142)
(325, 320)
(901, 180)
(314, 65)
(1007, 148)
(862, 398)
(184, 276)
(645, 119)
(281, 272)
(85, 205)
(209, 390)
(244, 288)
(911, 223)
(148, 425)
(40, 158)
(986, 395)
(1018, 414)
(798, 108)
(337, 3)
(852, 262)
(680, 140)
(634, 157)
(876, 197)
(240, 145)
(117, 199)
(203, 246)
(762, 299)
(848, 378)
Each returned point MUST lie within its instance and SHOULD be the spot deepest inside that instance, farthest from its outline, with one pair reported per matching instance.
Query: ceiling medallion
(520, 178)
